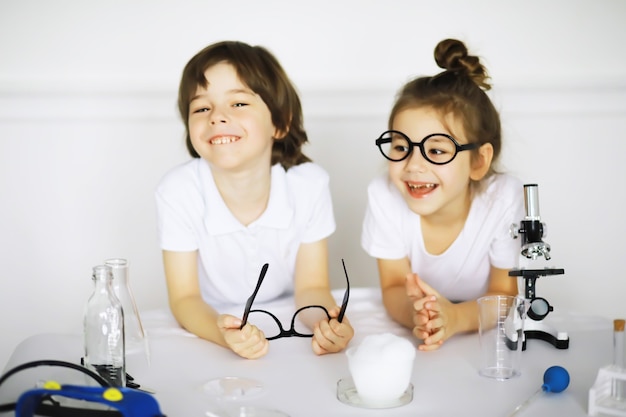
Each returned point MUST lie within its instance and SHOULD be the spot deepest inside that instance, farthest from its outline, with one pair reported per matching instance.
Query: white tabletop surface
(299, 383)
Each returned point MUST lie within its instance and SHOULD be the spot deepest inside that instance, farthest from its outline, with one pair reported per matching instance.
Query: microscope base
(548, 337)
(536, 330)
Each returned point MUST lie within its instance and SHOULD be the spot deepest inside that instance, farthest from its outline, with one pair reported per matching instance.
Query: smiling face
(435, 191)
(229, 124)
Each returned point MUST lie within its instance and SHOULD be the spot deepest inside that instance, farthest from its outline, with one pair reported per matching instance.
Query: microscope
(532, 231)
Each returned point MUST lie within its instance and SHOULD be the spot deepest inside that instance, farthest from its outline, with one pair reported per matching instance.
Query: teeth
(224, 139)
(421, 186)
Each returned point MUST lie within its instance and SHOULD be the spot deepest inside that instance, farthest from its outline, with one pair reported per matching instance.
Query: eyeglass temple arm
(246, 312)
(346, 295)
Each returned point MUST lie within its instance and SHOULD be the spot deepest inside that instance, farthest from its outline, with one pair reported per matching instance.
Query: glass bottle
(104, 329)
(135, 335)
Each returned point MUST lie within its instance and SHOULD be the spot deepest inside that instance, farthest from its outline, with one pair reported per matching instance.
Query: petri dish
(253, 411)
(233, 388)
(347, 394)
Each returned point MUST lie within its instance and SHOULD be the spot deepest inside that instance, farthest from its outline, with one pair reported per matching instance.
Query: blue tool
(555, 379)
(129, 402)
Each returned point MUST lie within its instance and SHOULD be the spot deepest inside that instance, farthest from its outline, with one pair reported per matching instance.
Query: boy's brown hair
(259, 70)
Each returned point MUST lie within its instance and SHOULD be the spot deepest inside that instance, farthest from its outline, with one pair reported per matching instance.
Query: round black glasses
(437, 148)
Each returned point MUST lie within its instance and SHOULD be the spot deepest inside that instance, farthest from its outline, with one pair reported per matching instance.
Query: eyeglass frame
(458, 147)
(291, 332)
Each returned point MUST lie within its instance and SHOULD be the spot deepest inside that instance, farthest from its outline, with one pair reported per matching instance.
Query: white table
(446, 382)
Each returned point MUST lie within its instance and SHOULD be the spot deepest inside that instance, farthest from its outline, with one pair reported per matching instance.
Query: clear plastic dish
(233, 388)
(347, 394)
(246, 411)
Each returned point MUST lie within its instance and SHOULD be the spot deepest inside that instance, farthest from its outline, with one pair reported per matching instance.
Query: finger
(319, 341)
(435, 337)
(317, 349)
(244, 338)
(253, 352)
(334, 312)
(412, 288)
(343, 330)
(433, 306)
(426, 289)
(259, 350)
(420, 333)
(420, 318)
(427, 348)
(226, 321)
(327, 339)
(248, 342)
(420, 304)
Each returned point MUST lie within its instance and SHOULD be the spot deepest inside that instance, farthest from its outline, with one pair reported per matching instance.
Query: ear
(481, 161)
(280, 134)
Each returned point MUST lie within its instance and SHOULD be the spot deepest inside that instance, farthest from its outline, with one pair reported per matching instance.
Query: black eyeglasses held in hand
(437, 148)
(272, 327)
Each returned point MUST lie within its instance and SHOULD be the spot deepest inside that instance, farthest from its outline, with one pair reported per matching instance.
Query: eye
(200, 110)
(437, 151)
(439, 145)
(240, 104)
(401, 148)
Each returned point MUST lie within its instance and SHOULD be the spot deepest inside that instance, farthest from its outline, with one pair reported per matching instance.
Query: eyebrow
(231, 91)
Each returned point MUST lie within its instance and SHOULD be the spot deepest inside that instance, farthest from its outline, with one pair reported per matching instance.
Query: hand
(249, 342)
(419, 316)
(433, 315)
(330, 336)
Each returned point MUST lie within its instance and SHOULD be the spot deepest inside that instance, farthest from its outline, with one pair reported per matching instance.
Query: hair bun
(452, 55)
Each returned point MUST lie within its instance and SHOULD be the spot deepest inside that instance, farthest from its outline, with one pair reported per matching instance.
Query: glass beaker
(136, 337)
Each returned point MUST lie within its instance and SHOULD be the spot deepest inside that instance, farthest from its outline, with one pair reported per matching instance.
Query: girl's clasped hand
(431, 314)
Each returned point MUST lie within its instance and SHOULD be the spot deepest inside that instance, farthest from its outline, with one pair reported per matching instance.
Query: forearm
(197, 317)
(314, 296)
(398, 305)
(465, 314)
(465, 317)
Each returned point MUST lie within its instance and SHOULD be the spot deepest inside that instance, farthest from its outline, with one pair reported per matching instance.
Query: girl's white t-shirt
(193, 216)
(392, 231)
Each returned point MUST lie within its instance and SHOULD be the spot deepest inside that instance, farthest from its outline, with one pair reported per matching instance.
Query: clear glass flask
(136, 340)
(104, 329)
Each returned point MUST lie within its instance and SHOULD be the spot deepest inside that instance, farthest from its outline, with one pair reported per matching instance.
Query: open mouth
(421, 189)
(222, 140)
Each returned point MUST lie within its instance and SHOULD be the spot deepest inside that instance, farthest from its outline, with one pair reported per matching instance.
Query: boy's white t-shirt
(392, 231)
(193, 216)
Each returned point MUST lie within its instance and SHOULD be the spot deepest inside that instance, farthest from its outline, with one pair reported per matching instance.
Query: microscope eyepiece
(531, 201)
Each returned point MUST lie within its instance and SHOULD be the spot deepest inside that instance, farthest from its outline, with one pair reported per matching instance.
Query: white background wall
(88, 126)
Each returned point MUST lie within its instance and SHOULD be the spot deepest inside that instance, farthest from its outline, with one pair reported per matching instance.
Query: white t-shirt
(193, 216)
(392, 231)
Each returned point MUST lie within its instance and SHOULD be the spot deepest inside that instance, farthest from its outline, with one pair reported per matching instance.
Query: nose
(416, 161)
(218, 116)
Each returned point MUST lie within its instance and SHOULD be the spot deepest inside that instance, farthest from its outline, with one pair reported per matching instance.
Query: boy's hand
(249, 342)
(330, 336)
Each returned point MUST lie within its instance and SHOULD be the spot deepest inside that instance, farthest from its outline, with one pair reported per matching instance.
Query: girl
(438, 222)
(248, 197)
